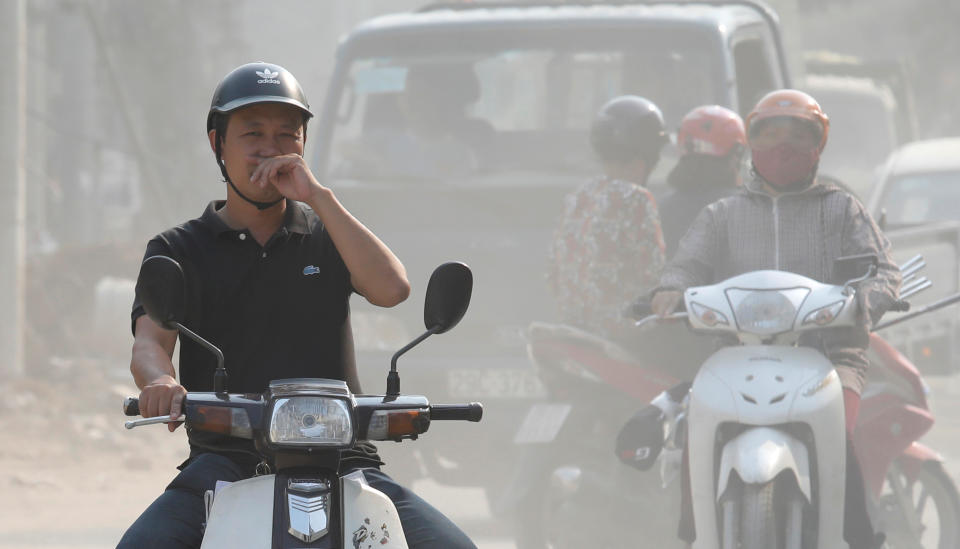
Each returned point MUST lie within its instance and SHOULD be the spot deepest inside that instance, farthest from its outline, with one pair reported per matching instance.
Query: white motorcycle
(299, 427)
(765, 419)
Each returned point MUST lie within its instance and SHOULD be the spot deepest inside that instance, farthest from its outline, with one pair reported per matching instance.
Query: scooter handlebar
(900, 306)
(654, 318)
(456, 412)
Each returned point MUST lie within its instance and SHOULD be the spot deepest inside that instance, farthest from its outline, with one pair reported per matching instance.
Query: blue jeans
(175, 519)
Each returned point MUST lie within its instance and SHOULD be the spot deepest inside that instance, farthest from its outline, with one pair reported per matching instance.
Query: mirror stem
(220, 376)
(393, 378)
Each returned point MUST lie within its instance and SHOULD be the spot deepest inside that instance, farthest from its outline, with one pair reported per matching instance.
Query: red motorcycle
(916, 503)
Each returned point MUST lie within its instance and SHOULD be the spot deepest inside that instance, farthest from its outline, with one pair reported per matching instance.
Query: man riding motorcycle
(712, 141)
(269, 272)
(785, 219)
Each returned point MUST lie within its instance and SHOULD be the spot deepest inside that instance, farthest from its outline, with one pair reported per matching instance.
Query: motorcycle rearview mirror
(851, 269)
(448, 296)
(161, 288)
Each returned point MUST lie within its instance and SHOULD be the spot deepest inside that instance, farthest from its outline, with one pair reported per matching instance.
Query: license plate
(511, 383)
(542, 423)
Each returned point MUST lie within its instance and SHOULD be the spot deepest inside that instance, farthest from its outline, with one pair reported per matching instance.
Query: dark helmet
(628, 127)
(256, 83)
(248, 85)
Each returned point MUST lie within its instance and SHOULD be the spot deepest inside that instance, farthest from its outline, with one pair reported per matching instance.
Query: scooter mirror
(161, 290)
(854, 267)
(448, 296)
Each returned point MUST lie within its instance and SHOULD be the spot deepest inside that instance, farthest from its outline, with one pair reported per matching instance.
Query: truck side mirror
(161, 289)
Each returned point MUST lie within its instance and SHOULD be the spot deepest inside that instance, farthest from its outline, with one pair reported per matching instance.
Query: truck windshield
(441, 112)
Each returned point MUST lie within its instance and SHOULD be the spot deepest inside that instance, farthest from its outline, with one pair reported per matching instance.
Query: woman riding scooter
(785, 219)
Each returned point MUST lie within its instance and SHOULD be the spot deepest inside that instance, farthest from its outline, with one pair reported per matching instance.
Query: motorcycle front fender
(760, 454)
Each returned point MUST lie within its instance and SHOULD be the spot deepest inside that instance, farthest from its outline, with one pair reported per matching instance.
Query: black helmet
(248, 85)
(256, 83)
(628, 127)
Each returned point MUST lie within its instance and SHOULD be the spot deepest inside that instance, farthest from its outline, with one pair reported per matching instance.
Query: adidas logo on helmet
(267, 76)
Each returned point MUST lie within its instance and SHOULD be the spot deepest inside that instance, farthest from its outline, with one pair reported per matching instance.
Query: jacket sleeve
(861, 235)
(645, 253)
(697, 254)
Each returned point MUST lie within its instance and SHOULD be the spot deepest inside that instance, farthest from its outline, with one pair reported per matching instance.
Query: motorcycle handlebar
(440, 412)
(456, 412)
(131, 406)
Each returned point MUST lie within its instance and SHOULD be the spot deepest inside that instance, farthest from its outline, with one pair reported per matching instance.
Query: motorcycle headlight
(311, 421)
(766, 312)
(824, 315)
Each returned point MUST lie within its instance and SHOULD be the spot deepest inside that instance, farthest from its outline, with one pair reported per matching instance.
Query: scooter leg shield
(369, 515)
(242, 515)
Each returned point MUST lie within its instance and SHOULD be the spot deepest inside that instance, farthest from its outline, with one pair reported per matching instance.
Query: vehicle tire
(551, 518)
(758, 517)
(935, 506)
(548, 520)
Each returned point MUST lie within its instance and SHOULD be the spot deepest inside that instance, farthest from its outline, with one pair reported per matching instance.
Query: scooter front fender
(758, 455)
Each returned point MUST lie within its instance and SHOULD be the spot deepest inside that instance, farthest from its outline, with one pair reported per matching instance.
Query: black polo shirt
(276, 311)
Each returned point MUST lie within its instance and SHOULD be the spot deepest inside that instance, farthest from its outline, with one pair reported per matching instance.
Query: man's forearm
(149, 363)
(375, 271)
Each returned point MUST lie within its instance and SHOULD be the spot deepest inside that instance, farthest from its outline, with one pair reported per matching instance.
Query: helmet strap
(259, 205)
(223, 170)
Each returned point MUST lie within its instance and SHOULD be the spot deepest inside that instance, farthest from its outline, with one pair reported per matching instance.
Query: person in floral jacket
(608, 248)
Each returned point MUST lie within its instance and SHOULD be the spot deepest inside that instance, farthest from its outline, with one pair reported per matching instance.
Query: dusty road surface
(71, 477)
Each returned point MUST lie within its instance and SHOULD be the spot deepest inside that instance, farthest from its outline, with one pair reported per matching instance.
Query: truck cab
(454, 133)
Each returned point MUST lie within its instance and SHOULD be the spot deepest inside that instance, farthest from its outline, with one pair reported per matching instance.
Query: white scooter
(765, 419)
(299, 427)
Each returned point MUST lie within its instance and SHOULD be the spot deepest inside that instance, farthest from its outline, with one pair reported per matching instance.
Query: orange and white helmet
(711, 130)
(792, 104)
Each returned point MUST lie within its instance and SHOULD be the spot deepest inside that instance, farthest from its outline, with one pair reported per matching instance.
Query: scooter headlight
(824, 315)
(311, 421)
(766, 312)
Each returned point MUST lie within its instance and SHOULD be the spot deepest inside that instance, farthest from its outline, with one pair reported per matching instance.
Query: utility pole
(13, 98)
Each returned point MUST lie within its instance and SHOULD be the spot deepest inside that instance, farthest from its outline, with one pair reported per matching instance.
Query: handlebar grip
(131, 406)
(900, 306)
(638, 309)
(457, 412)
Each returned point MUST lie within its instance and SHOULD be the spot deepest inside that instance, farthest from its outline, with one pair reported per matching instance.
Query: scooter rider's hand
(163, 396)
(665, 302)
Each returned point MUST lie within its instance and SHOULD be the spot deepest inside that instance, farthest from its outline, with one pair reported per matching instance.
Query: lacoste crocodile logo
(310, 270)
(267, 76)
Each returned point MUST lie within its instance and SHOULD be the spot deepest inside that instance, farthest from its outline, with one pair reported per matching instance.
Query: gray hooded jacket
(803, 233)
